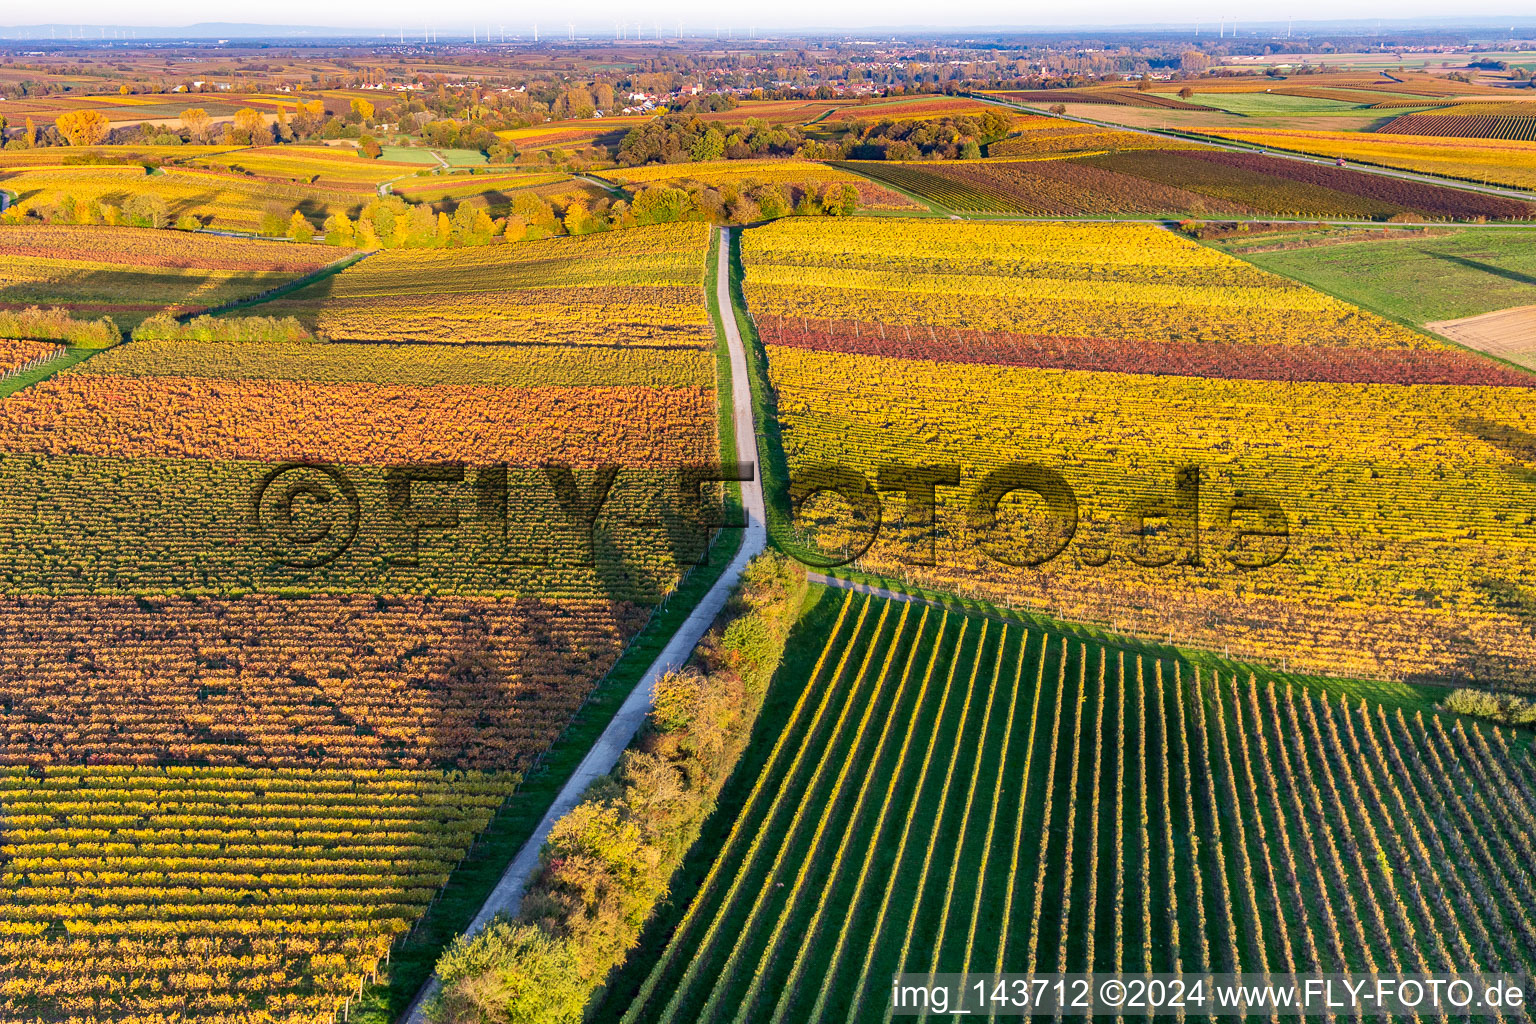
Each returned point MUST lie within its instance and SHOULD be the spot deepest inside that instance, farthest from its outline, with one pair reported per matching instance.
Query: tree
(273, 225)
(576, 218)
(250, 128)
(146, 210)
(772, 201)
(309, 118)
(196, 121)
(363, 109)
(742, 210)
(535, 210)
(370, 147)
(299, 228)
(846, 202)
(659, 205)
(421, 226)
(709, 146)
(339, 230)
(29, 134)
(1186, 92)
(84, 127)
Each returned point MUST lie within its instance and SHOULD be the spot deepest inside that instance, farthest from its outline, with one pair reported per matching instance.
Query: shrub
(56, 324)
(477, 975)
(1506, 708)
(146, 210)
(608, 861)
(261, 329)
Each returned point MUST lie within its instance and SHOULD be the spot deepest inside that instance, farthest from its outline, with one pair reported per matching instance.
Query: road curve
(600, 760)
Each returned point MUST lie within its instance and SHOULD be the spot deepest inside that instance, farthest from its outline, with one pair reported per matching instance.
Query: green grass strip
(42, 371)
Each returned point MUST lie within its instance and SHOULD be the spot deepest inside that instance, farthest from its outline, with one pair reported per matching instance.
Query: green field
(1419, 280)
(936, 791)
(462, 157)
(1270, 104)
(409, 155)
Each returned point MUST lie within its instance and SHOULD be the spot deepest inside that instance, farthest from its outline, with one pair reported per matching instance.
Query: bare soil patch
(1506, 333)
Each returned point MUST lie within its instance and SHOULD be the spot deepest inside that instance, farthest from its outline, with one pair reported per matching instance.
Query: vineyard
(583, 132)
(1042, 136)
(635, 288)
(333, 166)
(1381, 485)
(252, 722)
(1180, 182)
(1122, 281)
(1464, 126)
(318, 682)
(498, 189)
(1496, 161)
(951, 793)
(375, 424)
(218, 199)
(17, 354)
(418, 366)
(915, 109)
(216, 894)
(131, 273)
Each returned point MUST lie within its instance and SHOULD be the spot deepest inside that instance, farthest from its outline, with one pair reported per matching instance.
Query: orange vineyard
(277, 421)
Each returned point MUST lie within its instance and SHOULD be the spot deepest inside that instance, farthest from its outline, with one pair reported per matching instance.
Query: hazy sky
(701, 16)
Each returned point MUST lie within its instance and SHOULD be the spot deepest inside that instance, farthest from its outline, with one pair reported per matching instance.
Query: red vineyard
(271, 682)
(1323, 364)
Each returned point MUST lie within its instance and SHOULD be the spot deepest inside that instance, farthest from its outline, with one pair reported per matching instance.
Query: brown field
(1506, 333)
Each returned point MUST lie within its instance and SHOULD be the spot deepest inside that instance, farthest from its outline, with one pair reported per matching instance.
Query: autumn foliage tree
(196, 121)
(249, 128)
(84, 127)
